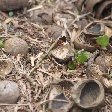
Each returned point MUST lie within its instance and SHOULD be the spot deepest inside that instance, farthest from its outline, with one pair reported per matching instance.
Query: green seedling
(82, 57)
(11, 14)
(1, 44)
(71, 65)
(103, 41)
(79, 58)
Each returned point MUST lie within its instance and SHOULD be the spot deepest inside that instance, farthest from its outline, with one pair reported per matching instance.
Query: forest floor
(49, 25)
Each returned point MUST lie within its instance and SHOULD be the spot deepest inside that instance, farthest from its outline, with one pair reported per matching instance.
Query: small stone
(6, 67)
(9, 92)
(15, 46)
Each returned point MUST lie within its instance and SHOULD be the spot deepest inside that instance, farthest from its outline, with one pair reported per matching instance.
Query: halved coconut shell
(88, 94)
(95, 29)
(8, 5)
(6, 67)
(90, 4)
(9, 92)
(104, 8)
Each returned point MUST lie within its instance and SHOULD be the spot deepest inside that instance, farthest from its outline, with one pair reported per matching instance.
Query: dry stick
(52, 46)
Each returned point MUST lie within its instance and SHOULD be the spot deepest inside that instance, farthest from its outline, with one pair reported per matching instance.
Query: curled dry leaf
(6, 67)
(15, 46)
(63, 17)
(9, 92)
(88, 93)
(63, 53)
(9, 5)
(80, 43)
(54, 31)
(42, 16)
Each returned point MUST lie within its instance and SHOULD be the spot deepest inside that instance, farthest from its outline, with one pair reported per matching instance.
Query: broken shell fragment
(59, 104)
(63, 53)
(9, 5)
(95, 29)
(88, 93)
(15, 46)
(6, 67)
(80, 43)
(9, 92)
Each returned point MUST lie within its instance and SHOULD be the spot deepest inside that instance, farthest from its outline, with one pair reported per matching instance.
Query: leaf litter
(49, 25)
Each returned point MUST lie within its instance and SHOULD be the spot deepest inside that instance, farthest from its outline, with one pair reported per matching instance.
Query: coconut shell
(88, 94)
(8, 5)
(9, 92)
(15, 46)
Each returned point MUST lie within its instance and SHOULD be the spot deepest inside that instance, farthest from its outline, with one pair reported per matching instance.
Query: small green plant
(71, 65)
(79, 58)
(1, 43)
(11, 14)
(103, 41)
(82, 57)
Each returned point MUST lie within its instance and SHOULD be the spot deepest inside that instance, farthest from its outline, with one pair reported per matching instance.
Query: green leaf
(11, 14)
(71, 65)
(82, 57)
(103, 41)
(1, 44)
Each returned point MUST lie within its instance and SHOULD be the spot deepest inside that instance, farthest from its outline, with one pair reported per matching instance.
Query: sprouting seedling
(82, 57)
(11, 14)
(1, 43)
(71, 65)
(79, 58)
(103, 41)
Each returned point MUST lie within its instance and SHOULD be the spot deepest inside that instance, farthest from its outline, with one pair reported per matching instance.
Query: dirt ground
(46, 25)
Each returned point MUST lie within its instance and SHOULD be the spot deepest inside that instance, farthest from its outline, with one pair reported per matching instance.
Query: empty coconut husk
(9, 5)
(104, 9)
(99, 8)
(90, 4)
(96, 29)
(88, 94)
